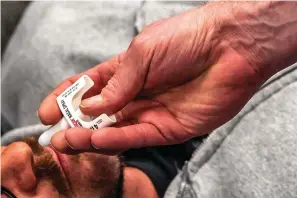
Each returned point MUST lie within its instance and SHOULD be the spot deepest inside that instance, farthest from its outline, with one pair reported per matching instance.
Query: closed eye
(6, 192)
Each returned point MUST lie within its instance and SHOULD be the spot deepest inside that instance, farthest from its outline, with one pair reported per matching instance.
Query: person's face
(29, 170)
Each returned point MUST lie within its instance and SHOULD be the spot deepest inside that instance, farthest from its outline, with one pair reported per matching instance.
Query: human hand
(181, 77)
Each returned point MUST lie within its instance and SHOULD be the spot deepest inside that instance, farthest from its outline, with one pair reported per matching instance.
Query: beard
(45, 167)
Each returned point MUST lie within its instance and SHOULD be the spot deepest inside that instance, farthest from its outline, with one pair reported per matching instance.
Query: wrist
(264, 33)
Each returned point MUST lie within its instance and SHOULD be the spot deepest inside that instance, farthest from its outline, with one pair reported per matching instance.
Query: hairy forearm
(265, 33)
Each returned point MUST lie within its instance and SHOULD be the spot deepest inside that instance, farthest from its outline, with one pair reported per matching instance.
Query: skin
(182, 77)
(86, 175)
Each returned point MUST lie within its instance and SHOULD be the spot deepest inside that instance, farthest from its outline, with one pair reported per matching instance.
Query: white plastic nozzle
(45, 138)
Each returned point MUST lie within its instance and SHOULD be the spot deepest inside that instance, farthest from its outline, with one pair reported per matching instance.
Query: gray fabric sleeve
(253, 155)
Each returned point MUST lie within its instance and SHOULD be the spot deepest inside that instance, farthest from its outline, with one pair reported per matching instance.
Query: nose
(17, 166)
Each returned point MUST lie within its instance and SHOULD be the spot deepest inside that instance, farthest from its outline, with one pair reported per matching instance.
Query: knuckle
(114, 93)
(142, 135)
(141, 43)
(111, 88)
(148, 27)
(143, 47)
(153, 25)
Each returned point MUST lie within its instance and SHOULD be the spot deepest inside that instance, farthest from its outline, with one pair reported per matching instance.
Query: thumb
(123, 86)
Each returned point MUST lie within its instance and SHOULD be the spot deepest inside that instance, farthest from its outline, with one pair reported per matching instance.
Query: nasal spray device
(69, 102)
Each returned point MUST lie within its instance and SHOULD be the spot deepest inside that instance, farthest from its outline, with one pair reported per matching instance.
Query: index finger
(49, 112)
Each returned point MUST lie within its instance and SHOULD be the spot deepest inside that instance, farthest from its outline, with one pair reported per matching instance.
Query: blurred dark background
(11, 12)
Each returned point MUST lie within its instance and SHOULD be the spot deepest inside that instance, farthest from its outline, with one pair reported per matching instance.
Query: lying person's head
(29, 170)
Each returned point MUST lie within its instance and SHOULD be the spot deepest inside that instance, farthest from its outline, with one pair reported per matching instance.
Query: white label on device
(69, 102)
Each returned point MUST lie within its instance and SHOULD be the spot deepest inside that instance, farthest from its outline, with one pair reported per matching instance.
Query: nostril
(17, 165)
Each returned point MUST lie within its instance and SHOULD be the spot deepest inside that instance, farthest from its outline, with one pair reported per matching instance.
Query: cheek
(94, 174)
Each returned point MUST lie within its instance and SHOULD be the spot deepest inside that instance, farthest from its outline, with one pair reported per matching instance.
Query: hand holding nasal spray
(69, 102)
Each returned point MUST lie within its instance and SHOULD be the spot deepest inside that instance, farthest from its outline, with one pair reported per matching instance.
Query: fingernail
(91, 101)
(66, 151)
(37, 114)
(70, 145)
(95, 146)
(53, 147)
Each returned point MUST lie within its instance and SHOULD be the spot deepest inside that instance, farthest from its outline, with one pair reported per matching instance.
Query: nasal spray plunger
(69, 102)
